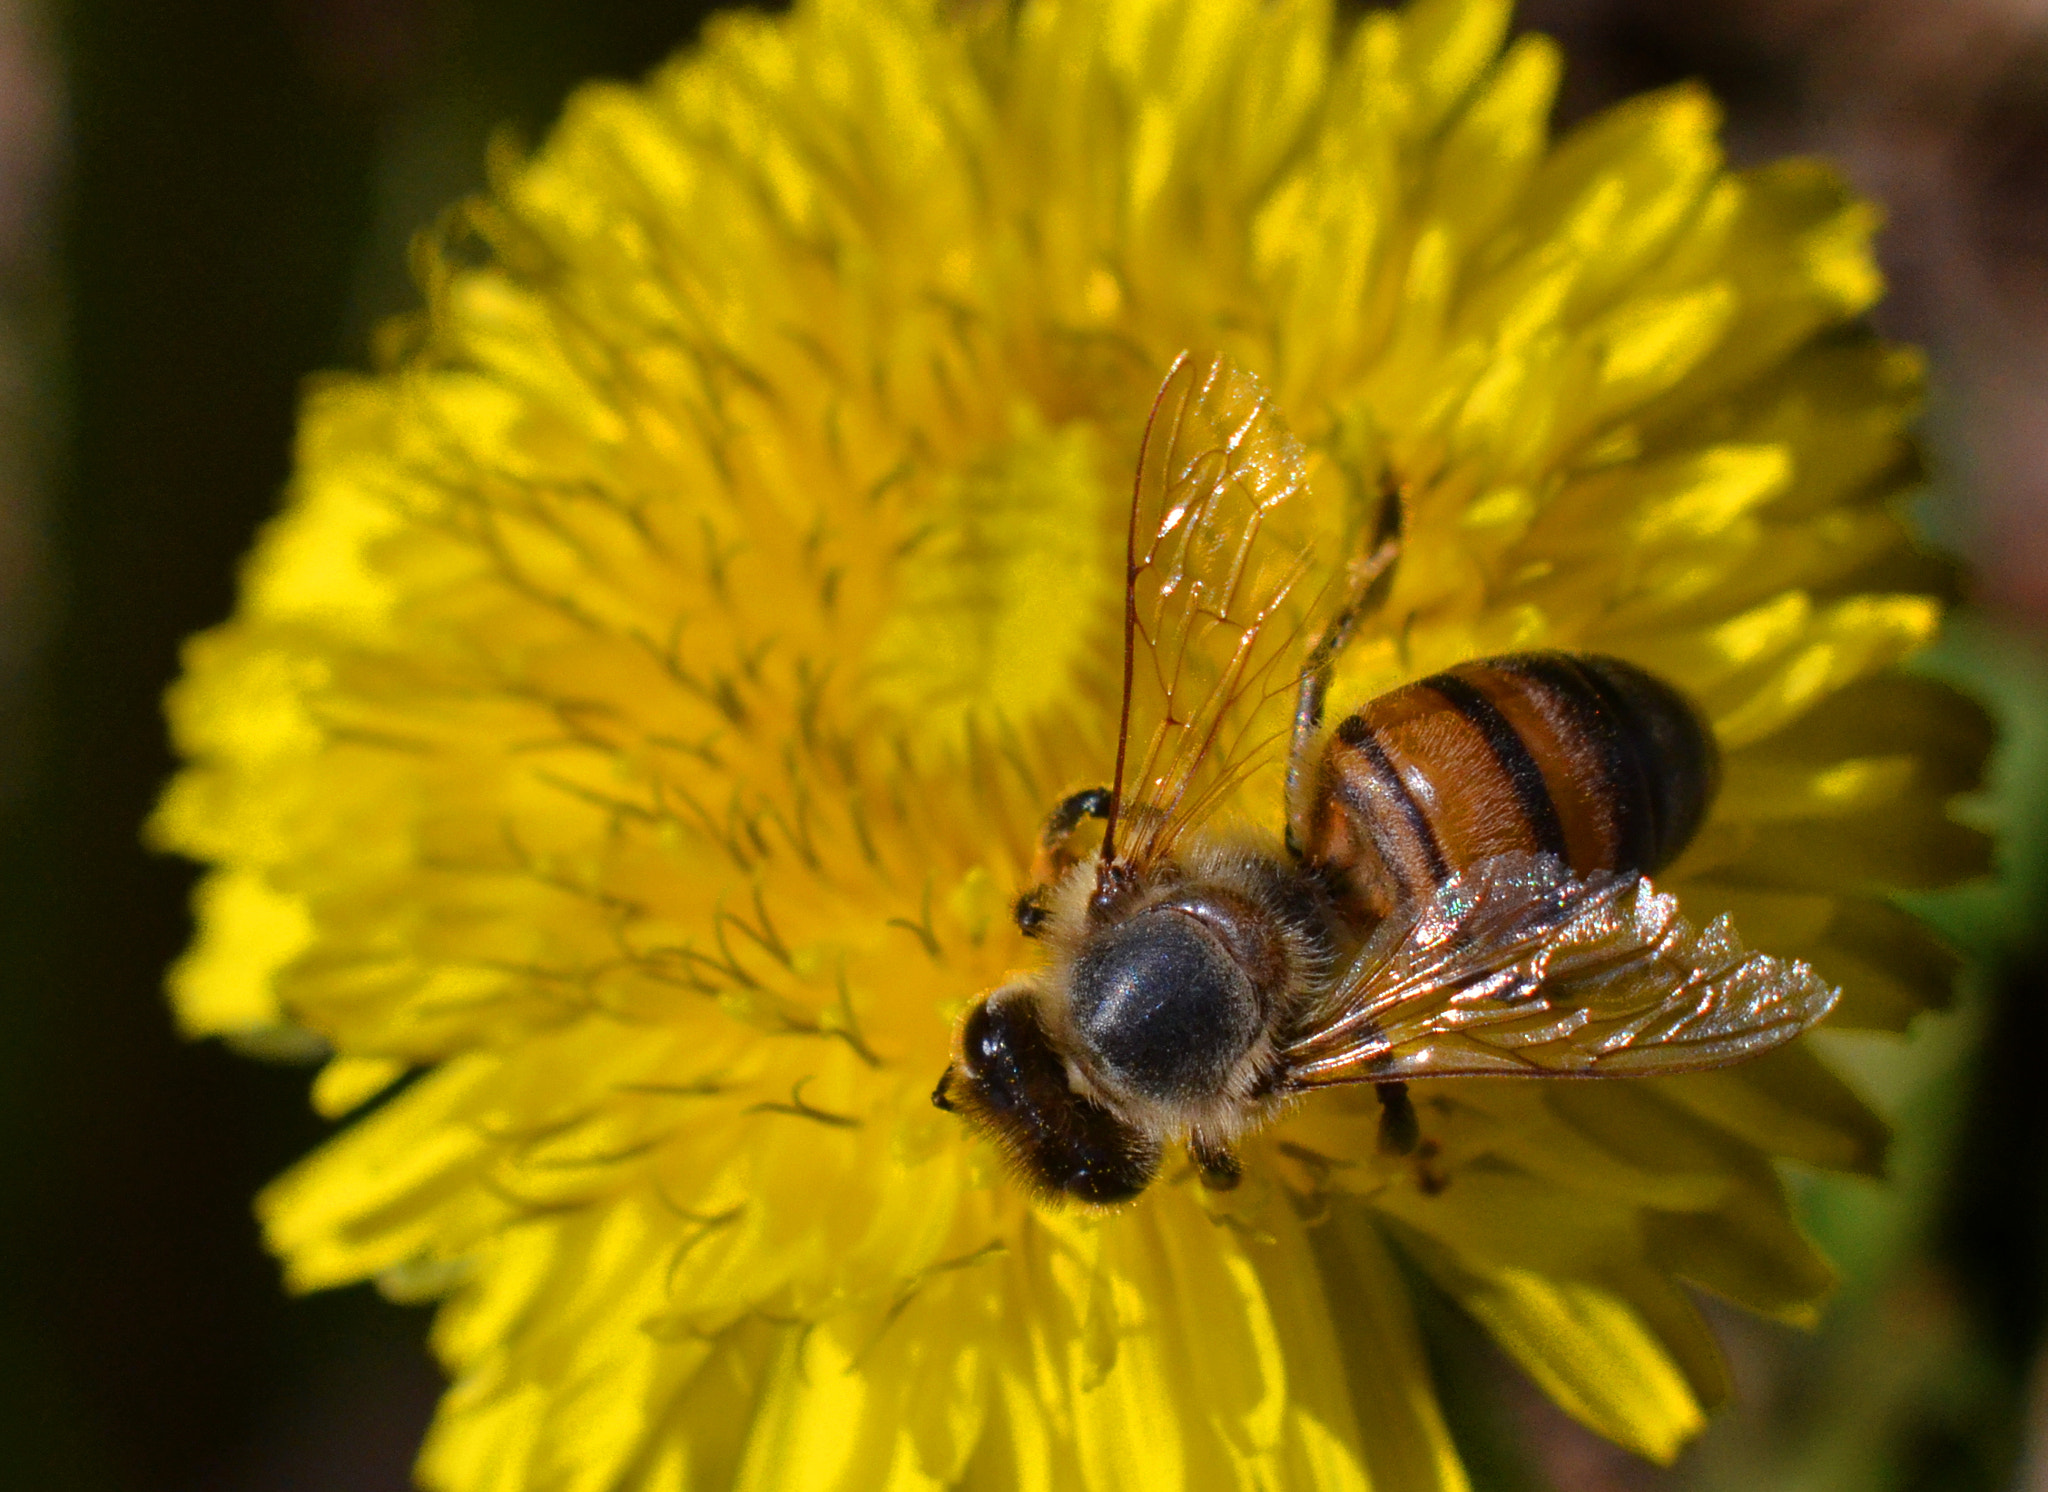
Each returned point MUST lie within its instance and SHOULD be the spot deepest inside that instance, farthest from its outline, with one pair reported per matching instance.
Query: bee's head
(1011, 1084)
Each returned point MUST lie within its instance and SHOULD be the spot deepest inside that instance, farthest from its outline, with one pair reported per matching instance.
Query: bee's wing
(1517, 967)
(1206, 579)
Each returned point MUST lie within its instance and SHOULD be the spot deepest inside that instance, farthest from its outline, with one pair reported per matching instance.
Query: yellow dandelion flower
(635, 727)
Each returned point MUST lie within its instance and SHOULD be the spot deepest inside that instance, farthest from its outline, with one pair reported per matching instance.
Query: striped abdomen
(1569, 754)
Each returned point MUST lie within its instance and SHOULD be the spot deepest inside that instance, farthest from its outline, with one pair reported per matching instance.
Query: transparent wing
(1206, 581)
(1517, 967)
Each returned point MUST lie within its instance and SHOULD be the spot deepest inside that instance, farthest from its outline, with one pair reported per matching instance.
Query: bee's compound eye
(1004, 1055)
(984, 1040)
(1011, 1083)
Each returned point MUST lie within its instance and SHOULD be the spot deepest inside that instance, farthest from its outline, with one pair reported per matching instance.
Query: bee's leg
(1031, 911)
(1366, 590)
(1053, 856)
(1400, 1129)
(1060, 824)
(1218, 1166)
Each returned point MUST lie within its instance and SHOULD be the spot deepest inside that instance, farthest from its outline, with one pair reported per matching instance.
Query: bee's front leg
(1054, 857)
(1060, 824)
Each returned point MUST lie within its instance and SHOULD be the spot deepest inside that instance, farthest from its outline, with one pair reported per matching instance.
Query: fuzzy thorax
(1166, 1002)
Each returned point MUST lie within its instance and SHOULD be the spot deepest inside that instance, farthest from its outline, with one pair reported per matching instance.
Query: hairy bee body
(1460, 892)
(1161, 1010)
(1155, 1020)
(1585, 758)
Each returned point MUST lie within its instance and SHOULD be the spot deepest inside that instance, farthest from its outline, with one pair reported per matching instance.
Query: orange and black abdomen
(1575, 755)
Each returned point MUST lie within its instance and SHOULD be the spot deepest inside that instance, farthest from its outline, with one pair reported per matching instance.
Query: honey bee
(1460, 889)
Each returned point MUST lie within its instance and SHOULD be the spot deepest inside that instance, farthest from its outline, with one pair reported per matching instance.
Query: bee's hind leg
(1365, 591)
(1401, 1135)
(1400, 1129)
(1216, 1163)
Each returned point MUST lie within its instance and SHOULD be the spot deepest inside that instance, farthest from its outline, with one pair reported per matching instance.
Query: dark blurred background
(201, 201)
